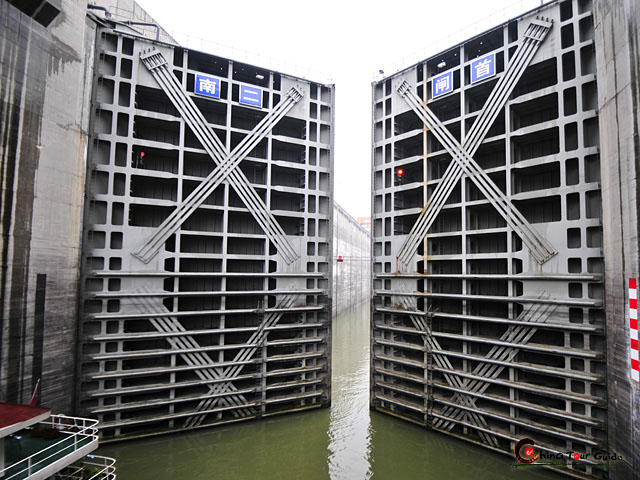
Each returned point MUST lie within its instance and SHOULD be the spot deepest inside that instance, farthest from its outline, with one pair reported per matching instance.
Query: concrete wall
(44, 83)
(351, 277)
(129, 10)
(618, 62)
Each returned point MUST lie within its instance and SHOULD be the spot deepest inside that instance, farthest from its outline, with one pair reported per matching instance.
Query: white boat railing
(75, 432)
(100, 468)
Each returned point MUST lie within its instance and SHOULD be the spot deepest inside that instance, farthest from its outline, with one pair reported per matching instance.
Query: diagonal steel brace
(536, 314)
(443, 362)
(257, 338)
(226, 164)
(170, 324)
(463, 162)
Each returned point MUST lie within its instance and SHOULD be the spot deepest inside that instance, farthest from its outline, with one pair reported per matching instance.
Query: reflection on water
(349, 426)
(345, 442)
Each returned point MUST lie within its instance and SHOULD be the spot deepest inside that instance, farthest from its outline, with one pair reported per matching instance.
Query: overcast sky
(341, 41)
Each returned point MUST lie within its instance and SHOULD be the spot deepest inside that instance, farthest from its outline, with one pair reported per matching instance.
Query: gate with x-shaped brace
(226, 164)
(219, 381)
(462, 155)
(461, 408)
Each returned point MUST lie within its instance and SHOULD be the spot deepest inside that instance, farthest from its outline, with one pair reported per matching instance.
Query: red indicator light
(340, 258)
(400, 171)
(141, 154)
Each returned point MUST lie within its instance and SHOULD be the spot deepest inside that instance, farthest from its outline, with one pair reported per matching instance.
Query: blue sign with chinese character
(483, 67)
(442, 84)
(206, 85)
(250, 95)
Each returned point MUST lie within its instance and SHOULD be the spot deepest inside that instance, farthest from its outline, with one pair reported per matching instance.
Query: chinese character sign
(483, 67)
(206, 85)
(442, 84)
(250, 95)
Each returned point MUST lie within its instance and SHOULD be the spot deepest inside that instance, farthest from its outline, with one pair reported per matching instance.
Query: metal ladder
(226, 163)
(462, 155)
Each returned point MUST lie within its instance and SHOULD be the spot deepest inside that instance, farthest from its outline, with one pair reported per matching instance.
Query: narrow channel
(345, 442)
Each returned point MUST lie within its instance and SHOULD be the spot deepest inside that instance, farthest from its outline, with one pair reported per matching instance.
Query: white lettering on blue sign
(483, 67)
(250, 95)
(206, 85)
(442, 84)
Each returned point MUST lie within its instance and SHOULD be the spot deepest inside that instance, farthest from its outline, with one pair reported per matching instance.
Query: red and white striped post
(633, 329)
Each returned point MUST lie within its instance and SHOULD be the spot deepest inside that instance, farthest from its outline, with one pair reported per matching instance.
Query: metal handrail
(78, 470)
(76, 428)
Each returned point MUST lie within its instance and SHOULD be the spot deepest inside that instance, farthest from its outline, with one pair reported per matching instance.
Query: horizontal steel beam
(530, 407)
(477, 276)
(194, 313)
(492, 298)
(213, 331)
(206, 293)
(116, 273)
(579, 327)
(540, 427)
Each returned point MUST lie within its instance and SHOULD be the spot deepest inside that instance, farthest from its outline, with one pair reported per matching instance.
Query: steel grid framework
(207, 251)
(487, 319)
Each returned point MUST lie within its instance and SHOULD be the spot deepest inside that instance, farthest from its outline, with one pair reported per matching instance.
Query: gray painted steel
(207, 260)
(488, 313)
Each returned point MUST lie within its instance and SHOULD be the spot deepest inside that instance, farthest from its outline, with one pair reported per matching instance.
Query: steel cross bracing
(181, 343)
(226, 163)
(536, 314)
(223, 390)
(443, 362)
(257, 340)
(462, 155)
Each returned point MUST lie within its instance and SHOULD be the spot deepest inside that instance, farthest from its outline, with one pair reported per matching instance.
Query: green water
(345, 442)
